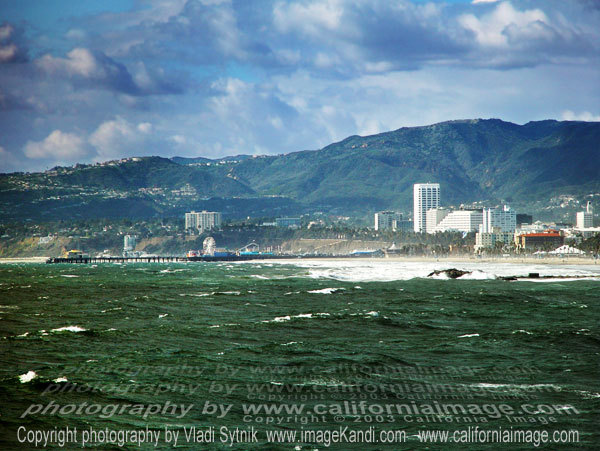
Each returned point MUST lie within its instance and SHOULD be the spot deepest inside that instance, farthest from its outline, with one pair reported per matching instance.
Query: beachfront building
(387, 220)
(548, 239)
(503, 218)
(585, 219)
(425, 197)
(433, 217)
(460, 221)
(202, 220)
(490, 240)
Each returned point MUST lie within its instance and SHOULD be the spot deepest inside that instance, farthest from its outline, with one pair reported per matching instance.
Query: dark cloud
(93, 69)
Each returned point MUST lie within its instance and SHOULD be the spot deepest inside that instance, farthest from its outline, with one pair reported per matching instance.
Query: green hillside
(489, 160)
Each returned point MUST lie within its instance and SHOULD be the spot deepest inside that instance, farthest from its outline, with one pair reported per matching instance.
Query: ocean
(303, 355)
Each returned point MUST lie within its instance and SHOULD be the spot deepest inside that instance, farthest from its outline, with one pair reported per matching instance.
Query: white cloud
(491, 29)
(57, 145)
(483, 1)
(119, 137)
(178, 139)
(309, 18)
(6, 31)
(79, 61)
(585, 116)
(145, 127)
(8, 52)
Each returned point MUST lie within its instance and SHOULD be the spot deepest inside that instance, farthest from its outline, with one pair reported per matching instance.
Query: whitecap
(60, 379)
(280, 319)
(522, 331)
(28, 377)
(468, 335)
(325, 290)
(68, 275)
(478, 275)
(163, 315)
(69, 329)
(531, 387)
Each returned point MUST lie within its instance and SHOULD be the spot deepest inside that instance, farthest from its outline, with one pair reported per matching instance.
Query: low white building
(460, 221)
(488, 240)
(433, 217)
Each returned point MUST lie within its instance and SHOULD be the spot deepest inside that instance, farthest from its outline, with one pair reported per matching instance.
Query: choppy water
(322, 341)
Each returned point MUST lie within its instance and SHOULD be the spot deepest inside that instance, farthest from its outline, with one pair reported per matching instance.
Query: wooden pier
(165, 259)
(93, 260)
(202, 258)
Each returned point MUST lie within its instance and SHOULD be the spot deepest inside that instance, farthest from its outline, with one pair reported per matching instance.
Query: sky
(89, 81)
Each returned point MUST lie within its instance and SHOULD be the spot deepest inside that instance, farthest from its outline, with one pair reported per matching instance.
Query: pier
(201, 258)
(149, 259)
(168, 259)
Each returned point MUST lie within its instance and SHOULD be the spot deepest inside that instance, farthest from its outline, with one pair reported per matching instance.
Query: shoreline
(575, 260)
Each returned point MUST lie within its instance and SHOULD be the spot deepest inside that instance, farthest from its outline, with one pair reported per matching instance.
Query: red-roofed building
(548, 239)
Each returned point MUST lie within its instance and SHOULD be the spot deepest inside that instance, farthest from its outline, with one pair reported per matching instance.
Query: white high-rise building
(585, 219)
(128, 243)
(425, 197)
(504, 219)
(387, 220)
(433, 217)
(460, 221)
(202, 220)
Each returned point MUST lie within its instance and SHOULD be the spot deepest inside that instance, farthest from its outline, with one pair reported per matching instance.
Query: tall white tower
(425, 197)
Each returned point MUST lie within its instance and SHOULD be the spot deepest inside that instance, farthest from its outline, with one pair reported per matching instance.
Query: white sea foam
(216, 326)
(325, 290)
(163, 315)
(60, 379)
(528, 387)
(468, 335)
(522, 331)
(280, 319)
(386, 270)
(28, 377)
(68, 275)
(478, 275)
(69, 329)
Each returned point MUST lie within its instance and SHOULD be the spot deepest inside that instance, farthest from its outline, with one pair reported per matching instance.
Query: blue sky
(93, 81)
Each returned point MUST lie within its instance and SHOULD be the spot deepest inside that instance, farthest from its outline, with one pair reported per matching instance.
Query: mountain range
(473, 160)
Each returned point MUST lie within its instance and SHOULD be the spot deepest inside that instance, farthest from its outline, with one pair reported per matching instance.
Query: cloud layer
(217, 77)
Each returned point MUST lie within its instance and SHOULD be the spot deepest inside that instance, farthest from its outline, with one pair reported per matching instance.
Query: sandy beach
(23, 260)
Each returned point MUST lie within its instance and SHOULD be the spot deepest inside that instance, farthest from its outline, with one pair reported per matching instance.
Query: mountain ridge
(473, 159)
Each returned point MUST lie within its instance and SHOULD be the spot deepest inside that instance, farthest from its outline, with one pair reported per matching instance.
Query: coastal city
(497, 230)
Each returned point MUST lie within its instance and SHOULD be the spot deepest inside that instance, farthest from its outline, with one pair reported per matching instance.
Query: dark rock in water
(534, 275)
(509, 278)
(452, 273)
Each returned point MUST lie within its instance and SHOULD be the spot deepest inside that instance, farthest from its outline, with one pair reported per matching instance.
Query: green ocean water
(295, 347)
